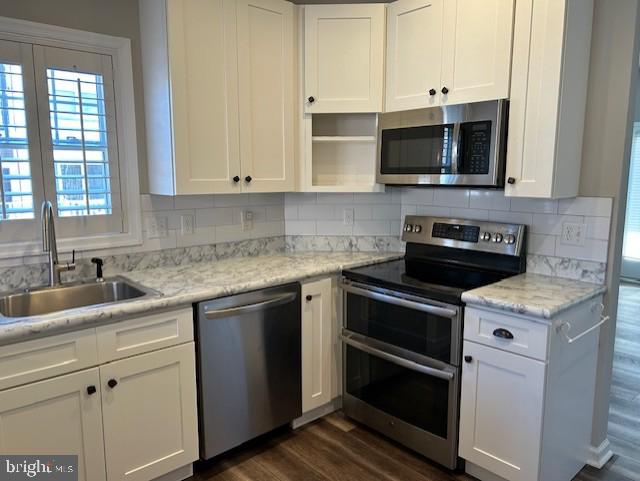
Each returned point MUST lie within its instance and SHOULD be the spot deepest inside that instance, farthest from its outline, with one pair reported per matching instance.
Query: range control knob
(510, 239)
(497, 238)
(486, 236)
(417, 228)
(408, 227)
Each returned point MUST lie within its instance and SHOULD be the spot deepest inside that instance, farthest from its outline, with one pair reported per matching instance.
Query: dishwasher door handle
(211, 314)
(399, 361)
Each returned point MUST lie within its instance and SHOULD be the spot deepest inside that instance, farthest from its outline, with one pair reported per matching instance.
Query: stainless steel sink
(69, 296)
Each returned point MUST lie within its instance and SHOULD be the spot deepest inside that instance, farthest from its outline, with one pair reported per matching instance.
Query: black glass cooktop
(440, 281)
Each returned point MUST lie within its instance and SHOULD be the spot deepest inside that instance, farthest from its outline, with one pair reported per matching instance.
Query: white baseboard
(317, 413)
(600, 455)
(178, 475)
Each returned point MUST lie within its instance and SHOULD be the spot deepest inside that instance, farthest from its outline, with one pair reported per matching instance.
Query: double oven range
(403, 328)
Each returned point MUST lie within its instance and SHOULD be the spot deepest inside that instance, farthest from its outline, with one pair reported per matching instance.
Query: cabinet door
(414, 53)
(56, 416)
(204, 95)
(551, 48)
(344, 50)
(501, 412)
(317, 344)
(476, 56)
(152, 408)
(266, 89)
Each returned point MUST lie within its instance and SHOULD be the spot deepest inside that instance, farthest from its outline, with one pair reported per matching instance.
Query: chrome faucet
(49, 245)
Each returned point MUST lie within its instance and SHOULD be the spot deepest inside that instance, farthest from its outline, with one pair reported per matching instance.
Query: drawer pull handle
(91, 390)
(112, 383)
(503, 333)
(468, 359)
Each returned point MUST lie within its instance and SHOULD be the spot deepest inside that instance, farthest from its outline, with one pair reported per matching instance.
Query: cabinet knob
(468, 359)
(236, 179)
(112, 383)
(311, 99)
(247, 179)
(432, 92)
(309, 297)
(445, 90)
(511, 180)
(91, 390)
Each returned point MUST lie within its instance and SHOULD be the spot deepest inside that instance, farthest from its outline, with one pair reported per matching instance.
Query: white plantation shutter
(58, 142)
(21, 189)
(78, 132)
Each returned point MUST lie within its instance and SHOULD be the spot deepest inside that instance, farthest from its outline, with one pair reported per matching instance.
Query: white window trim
(120, 50)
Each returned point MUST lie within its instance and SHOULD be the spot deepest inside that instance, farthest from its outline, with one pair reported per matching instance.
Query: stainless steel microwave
(455, 145)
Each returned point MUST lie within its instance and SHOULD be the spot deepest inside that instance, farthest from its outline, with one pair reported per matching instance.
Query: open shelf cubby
(343, 153)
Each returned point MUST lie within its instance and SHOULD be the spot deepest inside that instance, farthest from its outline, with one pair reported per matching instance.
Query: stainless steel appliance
(249, 366)
(456, 145)
(402, 334)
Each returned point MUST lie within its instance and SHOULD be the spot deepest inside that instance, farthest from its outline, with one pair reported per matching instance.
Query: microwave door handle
(455, 152)
(398, 301)
(399, 361)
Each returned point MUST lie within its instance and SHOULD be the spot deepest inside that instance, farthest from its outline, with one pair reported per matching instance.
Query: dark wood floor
(335, 449)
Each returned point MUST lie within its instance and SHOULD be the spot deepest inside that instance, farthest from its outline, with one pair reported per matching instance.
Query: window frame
(119, 49)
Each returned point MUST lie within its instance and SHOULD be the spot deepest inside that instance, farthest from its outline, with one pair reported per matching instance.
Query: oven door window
(416, 398)
(410, 329)
(417, 150)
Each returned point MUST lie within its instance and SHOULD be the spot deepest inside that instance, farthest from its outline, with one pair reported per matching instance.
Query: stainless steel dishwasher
(249, 366)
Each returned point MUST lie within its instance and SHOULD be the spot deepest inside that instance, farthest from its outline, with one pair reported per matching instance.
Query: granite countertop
(184, 285)
(533, 295)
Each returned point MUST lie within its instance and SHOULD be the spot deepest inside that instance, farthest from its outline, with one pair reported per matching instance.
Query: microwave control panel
(475, 147)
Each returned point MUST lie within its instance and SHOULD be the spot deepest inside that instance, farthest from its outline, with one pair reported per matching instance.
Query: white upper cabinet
(266, 73)
(552, 42)
(414, 53)
(447, 52)
(218, 83)
(344, 58)
(476, 58)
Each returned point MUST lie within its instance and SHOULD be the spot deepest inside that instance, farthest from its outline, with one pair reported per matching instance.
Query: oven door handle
(392, 358)
(399, 301)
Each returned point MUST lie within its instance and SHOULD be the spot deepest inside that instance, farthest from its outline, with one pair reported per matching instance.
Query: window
(61, 139)
(631, 246)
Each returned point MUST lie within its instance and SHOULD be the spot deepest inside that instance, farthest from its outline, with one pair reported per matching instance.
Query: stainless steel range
(402, 335)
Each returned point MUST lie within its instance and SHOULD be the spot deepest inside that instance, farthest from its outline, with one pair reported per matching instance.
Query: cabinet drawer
(38, 359)
(530, 338)
(144, 334)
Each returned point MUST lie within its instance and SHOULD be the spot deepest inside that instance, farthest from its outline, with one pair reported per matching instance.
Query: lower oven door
(409, 399)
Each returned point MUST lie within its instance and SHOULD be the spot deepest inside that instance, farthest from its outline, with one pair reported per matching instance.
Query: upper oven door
(429, 328)
(450, 145)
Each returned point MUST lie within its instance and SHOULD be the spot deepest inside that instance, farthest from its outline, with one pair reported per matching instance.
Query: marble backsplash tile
(22, 276)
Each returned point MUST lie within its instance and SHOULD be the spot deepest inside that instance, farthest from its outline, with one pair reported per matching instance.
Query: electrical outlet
(187, 224)
(573, 234)
(246, 217)
(157, 227)
(347, 217)
(152, 228)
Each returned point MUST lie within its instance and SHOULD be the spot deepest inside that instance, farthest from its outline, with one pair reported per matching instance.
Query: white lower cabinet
(152, 406)
(501, 411)
(528, 386)
(62, 415)
(131, 419)
(317, 344)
